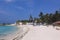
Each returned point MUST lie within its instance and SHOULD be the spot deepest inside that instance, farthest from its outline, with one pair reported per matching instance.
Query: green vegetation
(47, 18)
(50, 18)
(23, 21)
(17, 22)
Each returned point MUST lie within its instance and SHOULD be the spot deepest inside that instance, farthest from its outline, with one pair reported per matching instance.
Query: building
(57, 23)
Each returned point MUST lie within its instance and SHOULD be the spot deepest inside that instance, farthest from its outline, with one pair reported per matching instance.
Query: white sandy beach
(30, 32)
(16, 35)
(42, 33)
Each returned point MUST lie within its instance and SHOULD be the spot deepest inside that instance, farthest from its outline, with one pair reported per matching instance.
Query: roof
(57, 22)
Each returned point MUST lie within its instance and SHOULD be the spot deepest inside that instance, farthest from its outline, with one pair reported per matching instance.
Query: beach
(16, 35)
(38, 32)
(42, 33)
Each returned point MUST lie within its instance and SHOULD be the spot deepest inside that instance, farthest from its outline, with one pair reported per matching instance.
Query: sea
(6, 30)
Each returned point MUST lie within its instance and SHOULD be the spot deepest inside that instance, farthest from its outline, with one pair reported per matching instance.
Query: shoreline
(24, 29)
(18, 34)
(22, 34)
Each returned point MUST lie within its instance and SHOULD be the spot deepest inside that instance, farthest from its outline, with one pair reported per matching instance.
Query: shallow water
(4, 30)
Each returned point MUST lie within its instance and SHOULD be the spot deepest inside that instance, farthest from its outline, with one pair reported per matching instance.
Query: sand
(16, 35)
(30, 32)
(42, 33)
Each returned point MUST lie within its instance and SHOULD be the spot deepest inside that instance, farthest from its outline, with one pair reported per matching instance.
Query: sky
(13, 10)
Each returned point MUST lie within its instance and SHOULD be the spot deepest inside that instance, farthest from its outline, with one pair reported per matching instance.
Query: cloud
(29, 3)
(9, 1)
(2, 12)
(20, 8)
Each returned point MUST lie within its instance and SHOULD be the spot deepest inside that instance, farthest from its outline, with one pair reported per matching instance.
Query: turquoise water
(4, 30)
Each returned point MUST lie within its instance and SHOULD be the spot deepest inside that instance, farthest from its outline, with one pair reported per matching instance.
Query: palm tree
(31, 18)
(46, 18)
(17, 22)
(41, 16)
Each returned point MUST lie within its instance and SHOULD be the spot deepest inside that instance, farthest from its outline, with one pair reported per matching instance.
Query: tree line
(48, 18)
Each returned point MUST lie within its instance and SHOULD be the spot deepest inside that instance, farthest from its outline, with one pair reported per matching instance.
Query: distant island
(3, 24)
